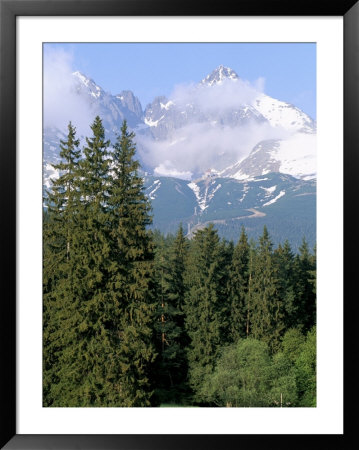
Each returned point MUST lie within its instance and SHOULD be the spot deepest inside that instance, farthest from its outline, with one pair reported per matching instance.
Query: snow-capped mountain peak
(218, 75)
(87, 84)
(217, 121)
(295, 155)
(284, 115)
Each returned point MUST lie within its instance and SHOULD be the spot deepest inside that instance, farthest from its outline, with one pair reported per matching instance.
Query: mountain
(212, 105)
(167, 117)
(295, 155)
(286, 204)
(219, 75)
(218, 150)
(112, 108)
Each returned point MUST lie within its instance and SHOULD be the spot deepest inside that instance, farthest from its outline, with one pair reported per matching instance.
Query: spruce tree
(171, 336)
(131, 275)
(205, 306)
(104, 303)
(266, 306)
(87, 363)
(59, 223)
(249, 299)
(313, 272)
(61, 202)
(284, 261)
(238, 288)
(305, 287)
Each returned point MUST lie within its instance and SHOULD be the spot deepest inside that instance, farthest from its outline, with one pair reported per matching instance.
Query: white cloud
(228, 94)
(167, 169)
(206, 144)
(61, 102)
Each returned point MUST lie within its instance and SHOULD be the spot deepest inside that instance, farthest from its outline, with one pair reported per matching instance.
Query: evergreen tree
(131, 282)
(85, 370)
(205, 306)
(284, 261)
(249, 296)
(305, 288)
(59, 223)
(313, 272)
(61, 202)
(266, 313)
(172, 338)
(119, 322)
(238, 288)
(104, 304)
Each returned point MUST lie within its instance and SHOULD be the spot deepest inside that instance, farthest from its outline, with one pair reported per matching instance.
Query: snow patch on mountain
(281, 193)
(200, 200)
(167, 105)
(157, 185)
(152, 123)
(211, 195)
(295, 156)
(269, 190)
(284, 115)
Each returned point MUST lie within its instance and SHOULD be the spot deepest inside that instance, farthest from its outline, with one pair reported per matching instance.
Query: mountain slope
(285, 115)
(274, 199)
(295, 156)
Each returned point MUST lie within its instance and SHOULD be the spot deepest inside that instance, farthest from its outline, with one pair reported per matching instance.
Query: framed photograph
(174, 182)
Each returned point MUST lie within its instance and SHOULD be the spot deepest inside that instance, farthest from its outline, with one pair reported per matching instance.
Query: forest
(134, 318)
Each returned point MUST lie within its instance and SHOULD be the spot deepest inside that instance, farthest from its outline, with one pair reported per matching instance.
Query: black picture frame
(9, 10)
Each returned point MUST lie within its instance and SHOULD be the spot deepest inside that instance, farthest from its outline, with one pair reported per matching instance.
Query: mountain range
(219, 151)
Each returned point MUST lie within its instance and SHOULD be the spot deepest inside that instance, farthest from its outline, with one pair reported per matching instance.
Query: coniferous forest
(134, 318)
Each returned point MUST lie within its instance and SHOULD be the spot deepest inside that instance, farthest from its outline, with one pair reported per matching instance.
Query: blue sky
(288, 70)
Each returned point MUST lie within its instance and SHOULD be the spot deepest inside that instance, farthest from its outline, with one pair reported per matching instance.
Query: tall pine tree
(238, 288)
(305, 270)
(86, 372)
(131, 281)
(60, 219)
(284, 261)
(205, 306)
(171, 335)
(266, 315)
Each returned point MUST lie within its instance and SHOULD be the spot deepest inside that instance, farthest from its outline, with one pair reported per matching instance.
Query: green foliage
(205, 305)
(98, 347)
(265, 304)
(171, 336)
(60, 223)
(284, 261)
(241, 377)
(283, 391)
(247, 375)
(305, 269)
(134, 318)
(238, 288)
(292, 343)
(305, 367)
